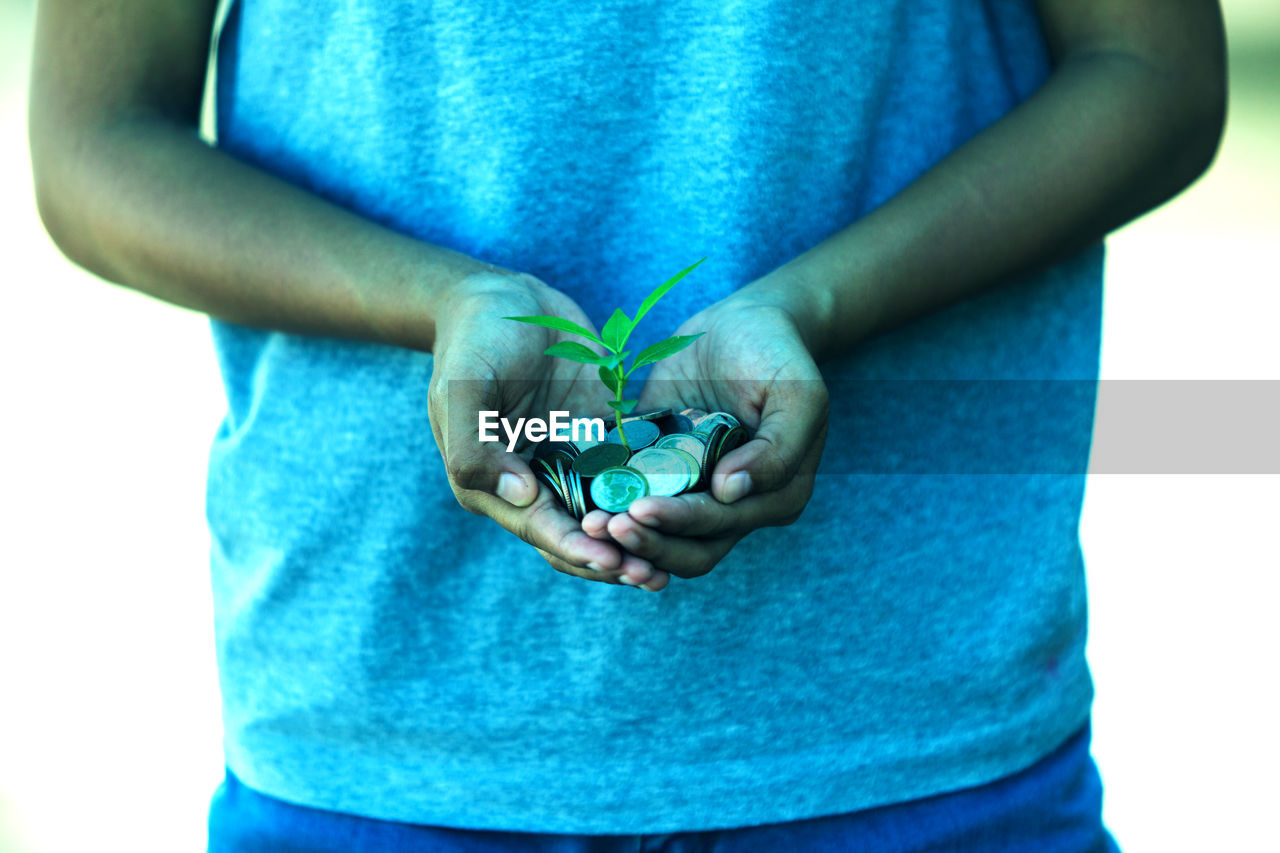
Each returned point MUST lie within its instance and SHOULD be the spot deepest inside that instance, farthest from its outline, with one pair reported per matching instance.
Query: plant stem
(621, 392)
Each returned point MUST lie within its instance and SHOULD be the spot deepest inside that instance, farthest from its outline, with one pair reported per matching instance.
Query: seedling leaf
(575, 351)
(659, 292)
(617, 329)
(560, 324)
(623, 407)
(662, 349)
(612, 360)
(610, 379)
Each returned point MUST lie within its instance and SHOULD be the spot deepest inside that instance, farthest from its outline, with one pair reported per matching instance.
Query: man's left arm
(1131, 114)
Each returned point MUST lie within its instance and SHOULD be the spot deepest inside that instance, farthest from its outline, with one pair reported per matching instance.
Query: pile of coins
(668, 454)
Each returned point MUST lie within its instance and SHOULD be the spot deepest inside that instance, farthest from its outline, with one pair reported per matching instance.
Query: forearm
(144, 203)
(1107, 138)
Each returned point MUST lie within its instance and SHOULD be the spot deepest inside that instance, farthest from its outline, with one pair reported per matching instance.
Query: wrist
(807, 301)
(427, 283)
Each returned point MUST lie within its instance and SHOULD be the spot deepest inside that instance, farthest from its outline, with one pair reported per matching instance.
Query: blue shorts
(1055, 806)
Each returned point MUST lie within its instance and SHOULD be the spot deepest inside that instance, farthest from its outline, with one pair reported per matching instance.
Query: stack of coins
(669, 454)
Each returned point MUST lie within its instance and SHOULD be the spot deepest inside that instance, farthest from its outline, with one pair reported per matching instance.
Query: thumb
(490, 468)
(792, 420)
(475, 454)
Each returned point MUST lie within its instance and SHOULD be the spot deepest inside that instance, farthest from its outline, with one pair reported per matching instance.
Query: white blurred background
(109, 720)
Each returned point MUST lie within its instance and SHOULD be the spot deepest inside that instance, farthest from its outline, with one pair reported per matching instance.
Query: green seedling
(613, 337)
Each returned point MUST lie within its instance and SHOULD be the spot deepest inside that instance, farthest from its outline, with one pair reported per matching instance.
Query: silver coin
(640, 434)
(651, 414)
(562, 488)
(691, 443)
(691, 462)
(674, 424)
(611, 421)
(542, 449)
(714, 420)
(715, 439)
(733, 439)
(575, 494)
(664, 468)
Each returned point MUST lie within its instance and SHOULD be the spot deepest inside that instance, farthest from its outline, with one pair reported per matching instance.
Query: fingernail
(595, 567)
(736, 486)
(510, 488)
(640, 574)
(645, 514)
(626, 579)
(647, 587)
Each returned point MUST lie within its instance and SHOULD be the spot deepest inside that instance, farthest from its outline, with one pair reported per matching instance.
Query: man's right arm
(128, 190)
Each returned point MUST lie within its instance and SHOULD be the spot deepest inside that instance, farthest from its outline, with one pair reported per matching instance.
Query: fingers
(544, 525)
(688, 535)
(701, 515)
(508, 478)
(634, 572)
(563, 544)
(794, 420)
(476, 466)
(473, 465)
(680, 556)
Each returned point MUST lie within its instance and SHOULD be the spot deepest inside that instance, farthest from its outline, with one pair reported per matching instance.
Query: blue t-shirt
(921, 628)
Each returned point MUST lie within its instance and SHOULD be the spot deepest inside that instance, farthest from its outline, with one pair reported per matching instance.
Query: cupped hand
(752, 361)
(485, 363)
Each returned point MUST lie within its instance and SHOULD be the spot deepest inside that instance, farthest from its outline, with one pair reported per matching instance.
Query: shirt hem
(769, 796)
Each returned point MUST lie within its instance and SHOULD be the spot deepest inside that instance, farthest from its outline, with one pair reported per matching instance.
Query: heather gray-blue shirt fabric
(385, 653)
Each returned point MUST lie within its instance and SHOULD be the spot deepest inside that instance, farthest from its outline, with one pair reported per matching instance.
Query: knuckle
(822, 403)
(538, 519)
(790, 518)
(555, 562)
(465, 473)
(524, 528)
(436, 390)
(695, 568)
(802, 490)
(570, 569)
(776, 473)
(469, 506)
(793, 510)
(466, 500)
(562, 541)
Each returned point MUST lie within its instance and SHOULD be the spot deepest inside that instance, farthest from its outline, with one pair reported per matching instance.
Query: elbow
(1206, 126)
(56, 215)
(1200, 86)
(61, 201)
(1187, 119)
(54, 195)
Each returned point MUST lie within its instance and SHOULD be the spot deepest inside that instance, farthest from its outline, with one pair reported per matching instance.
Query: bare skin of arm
(1132, 113)
(127, 189)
